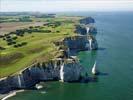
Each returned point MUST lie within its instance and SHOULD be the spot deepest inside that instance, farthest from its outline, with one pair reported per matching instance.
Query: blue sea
(114, 59)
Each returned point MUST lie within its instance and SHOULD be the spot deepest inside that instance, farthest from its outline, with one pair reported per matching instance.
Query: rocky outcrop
(82, 29)
(87, 20)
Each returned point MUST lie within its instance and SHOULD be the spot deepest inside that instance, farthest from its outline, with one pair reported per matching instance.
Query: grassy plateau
(18, 51)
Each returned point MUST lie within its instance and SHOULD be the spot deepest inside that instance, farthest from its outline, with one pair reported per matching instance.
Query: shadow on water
(103, 74)
(100, 48)
(93, 78)
(89, 79)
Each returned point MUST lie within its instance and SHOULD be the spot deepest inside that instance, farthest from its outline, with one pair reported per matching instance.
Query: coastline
(11, 94)
(48, 71)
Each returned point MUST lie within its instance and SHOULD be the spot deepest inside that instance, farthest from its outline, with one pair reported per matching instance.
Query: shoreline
(11, 94)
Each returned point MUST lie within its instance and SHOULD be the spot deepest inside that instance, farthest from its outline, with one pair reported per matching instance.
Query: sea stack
(94, 70)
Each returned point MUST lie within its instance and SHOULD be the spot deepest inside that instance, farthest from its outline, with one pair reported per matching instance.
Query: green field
(38, 46)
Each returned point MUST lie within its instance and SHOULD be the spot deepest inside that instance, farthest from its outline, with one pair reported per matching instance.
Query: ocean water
(114, 59)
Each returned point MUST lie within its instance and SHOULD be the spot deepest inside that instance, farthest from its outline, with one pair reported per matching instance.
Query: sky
(65, 5)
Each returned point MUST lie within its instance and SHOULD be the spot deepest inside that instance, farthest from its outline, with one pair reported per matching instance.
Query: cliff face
(81, 43)
(72, 71)
(43, 72)
(76, 43)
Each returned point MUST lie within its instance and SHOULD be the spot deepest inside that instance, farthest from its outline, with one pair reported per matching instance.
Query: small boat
(94, 70)
(38, 86)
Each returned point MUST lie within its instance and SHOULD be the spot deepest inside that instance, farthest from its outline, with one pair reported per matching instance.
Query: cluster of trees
(11, 40)
(53, 24)
(2, 48)
(12, 36)
(68, 21)
(38, 29)
(45, 15)
(1, 36)
(10, 20)
(25, 19)
(15, 19)
(20, 44)
(25, 14)
(31, 29)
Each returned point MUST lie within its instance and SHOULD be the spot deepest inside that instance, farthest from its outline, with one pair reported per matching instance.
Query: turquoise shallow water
(114, 60)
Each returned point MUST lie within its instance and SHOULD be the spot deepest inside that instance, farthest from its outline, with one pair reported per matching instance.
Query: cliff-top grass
(20, 51)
